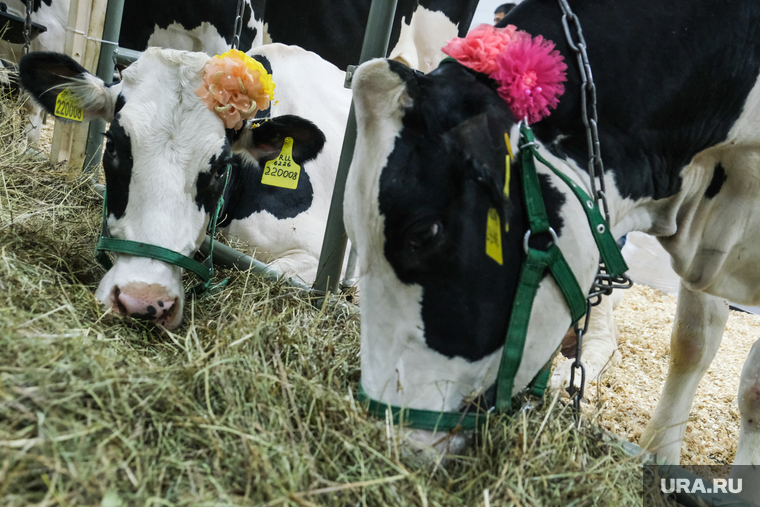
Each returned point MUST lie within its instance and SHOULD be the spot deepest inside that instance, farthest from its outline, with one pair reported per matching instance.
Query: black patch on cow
(210, 184)
(671, 81)
(445, 172)
(117, 164)
(718, 179)
(335, 28)
(120, 103)
(267, 139)
(44, 75)
(137, 28)
(38, 3)
(246, 194)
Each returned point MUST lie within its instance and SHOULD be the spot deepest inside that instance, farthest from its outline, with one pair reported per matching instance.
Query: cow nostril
(117, 304)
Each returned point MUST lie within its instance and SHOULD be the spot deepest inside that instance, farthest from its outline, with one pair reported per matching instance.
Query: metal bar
(124, 56)
(111, 30)
(375, 45)
(230, 258)
(349, 277)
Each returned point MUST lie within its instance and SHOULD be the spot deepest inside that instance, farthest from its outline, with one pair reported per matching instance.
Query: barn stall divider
(332, 255)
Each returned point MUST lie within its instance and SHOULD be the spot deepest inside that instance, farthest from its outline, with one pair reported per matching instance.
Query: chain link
(238, 29)
(603, 282)
(28, 26)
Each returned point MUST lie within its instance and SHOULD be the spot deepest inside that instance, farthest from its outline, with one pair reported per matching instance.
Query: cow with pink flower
(438, 208)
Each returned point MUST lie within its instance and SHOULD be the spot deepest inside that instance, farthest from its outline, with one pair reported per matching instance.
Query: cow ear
(47, 75)
(480, 142)
(264, 142)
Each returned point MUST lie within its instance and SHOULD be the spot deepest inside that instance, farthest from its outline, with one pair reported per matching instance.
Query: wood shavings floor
(628, 394)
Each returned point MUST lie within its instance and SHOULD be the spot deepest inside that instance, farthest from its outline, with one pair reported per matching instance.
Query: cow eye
(110, 147)
(423, 234)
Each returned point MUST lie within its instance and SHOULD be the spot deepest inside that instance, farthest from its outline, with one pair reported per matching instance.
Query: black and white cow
(679, 120)
(166, 154)
(334, 29)
(193, 26)
(196, 26)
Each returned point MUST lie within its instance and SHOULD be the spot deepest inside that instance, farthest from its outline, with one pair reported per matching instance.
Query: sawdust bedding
(627, 396)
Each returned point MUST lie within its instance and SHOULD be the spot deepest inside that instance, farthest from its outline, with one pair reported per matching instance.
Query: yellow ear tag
(509, 145)
(282, 171)
(67, 106)
(493, 236)
(508, 173)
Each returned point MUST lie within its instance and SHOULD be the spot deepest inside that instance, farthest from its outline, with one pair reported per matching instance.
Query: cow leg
(697, 331)
(748, 448)
(600, 349)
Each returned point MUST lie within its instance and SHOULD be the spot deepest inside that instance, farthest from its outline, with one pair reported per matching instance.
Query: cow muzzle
(143, 289)
(151, 302)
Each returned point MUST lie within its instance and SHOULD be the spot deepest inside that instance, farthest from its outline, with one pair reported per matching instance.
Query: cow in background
(167, 154)
(196, 26)
(681, 155)
(334, 29)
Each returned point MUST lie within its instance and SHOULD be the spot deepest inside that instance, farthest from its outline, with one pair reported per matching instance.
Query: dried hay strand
(250, 402)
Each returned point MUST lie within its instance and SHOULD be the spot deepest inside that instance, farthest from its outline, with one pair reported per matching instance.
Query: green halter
(204, 270)
(536, 263)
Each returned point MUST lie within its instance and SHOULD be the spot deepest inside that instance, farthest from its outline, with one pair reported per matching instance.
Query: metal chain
(238, 24)
(603, 282)
(28, 26)
(577, 392)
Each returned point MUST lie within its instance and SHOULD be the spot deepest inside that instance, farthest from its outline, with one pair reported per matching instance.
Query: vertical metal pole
(375, 45)
(111, 30)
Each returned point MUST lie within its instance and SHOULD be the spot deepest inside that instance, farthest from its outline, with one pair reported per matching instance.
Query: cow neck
(204, 270)
(537, 262)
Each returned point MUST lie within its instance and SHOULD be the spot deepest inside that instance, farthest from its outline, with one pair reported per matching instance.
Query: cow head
(429, 166)
(165, 157)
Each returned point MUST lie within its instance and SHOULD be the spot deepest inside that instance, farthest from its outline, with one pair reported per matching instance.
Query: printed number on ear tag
(282, 171)
(67, 106)
(493, 236)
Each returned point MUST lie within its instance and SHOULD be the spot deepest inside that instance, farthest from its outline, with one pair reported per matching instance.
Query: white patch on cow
(266, 37)
(420, 41)
(204, 38)
(293, 244)
(397, 365)
(255, 23)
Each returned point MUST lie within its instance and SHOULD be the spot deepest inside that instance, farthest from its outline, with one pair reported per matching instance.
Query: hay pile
(251, 401)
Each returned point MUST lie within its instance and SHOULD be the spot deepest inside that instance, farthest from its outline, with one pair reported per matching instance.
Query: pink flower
(531, 72)
(479, 49)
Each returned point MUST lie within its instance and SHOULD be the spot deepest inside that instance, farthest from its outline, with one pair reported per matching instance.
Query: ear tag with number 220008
(282, 171)
(67, 106)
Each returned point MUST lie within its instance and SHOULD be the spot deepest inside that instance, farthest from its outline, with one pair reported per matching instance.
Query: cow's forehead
(162, 114)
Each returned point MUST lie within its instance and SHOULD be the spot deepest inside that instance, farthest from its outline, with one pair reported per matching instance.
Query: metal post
(375, 45)
(111, 30)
